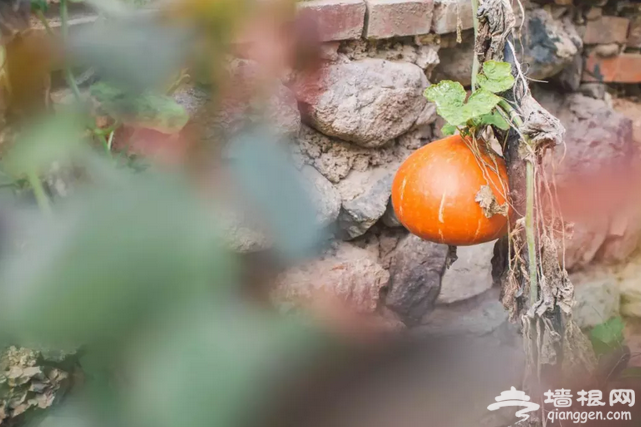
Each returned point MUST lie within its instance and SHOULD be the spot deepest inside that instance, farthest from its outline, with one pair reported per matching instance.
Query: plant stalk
(529, 207)
(529, 231)
(64, 31)
(39, 192)
(475, 59)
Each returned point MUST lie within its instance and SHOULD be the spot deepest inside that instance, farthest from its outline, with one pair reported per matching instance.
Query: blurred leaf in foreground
(52, 138)
(147, 110)
(135, 52)
(215, 365)
(108, 260)
(262, 168)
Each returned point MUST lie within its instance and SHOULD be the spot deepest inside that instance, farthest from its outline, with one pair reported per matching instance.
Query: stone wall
(354, 126)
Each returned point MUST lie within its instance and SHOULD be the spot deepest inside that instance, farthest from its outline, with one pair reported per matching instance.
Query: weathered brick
(606, 29)
(634, 33)
(447, 13)
(624, 68)
(394, 18)
(336, 19)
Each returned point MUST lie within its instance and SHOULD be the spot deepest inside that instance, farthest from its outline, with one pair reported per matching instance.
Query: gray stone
(480, 316)
(415, 278)
(281, 109)
(456, 62)
(597, 299)
(629, 284)
(241, 234)
(416, 138)
(596, 138)
(470, 275)
(607, 50)
(347, 272)
(359, 214)
(331, 157)
(593, 90)
(368, 102)
(585, 240)
(427, 57)
(324, 195)
(570, 77)
(550, 45)
(448, 13)
(389, 217)
(624, 235)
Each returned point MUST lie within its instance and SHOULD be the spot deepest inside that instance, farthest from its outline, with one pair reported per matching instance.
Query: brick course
(336, 19)
(624, 68)
(445, 15)
(394, 18)
(606, 29)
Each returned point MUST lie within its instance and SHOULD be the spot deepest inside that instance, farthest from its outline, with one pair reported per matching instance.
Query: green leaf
(448, 130)
(480, 103)
(493, 119)
(39, 5)
(496, 77)
(147, 110)
(449, 98)
(607, 336)
(53, 138)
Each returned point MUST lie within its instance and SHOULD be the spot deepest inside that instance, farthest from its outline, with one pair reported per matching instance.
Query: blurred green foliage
(128, 276)
(608, 336)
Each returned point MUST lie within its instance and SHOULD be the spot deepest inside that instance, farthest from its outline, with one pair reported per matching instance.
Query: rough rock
(597, 298)
(570, 77)
(416, 138)
(470, 275)
(325, 196)
(331, 157)
(629, 284)
(360, 101)
(360, 213)
(480, 316)
(389, 217)
(281, 108)
(347, 271)
(415, 278)
(585, 240)
(596, 137)
(422, 51)
(598, 154)
(456, 62)
(593, 90)
(550, 45)
(241, 234)
(630, 109)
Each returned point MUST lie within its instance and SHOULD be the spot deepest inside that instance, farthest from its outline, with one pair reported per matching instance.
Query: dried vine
(536, 289)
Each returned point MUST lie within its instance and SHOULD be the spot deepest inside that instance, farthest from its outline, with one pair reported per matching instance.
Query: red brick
(624, 68)
(446, 14)
(606, 29)
(336, 19)
(394, 18)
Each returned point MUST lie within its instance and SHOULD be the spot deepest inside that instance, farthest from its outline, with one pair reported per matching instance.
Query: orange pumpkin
(434, 193)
